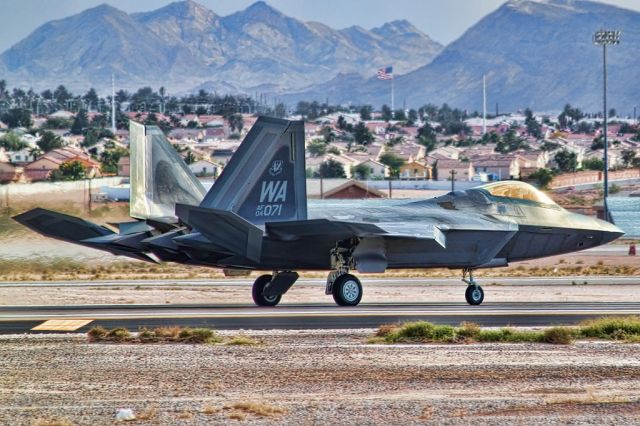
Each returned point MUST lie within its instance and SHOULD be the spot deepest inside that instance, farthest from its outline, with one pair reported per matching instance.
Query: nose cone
(608, 231)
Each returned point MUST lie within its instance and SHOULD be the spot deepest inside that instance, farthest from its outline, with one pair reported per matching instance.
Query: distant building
(415, 170)
(20, 157)
(124, 164)
(341, 189)
(205, 168)
(9, 173)
(463, 170)
(41, 168)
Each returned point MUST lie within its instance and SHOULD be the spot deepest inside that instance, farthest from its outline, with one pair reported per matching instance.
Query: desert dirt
(418, 291)
(317, 377)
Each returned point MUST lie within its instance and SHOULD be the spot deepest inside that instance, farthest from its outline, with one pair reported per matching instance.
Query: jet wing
(340, 230)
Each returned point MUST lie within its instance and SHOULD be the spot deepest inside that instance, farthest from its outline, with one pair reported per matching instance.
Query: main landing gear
(345, 288)
(474, 293)
(268, 289)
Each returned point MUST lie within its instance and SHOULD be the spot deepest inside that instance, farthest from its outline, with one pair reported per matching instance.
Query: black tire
(258, 287)
(347, 290)
(474, 294)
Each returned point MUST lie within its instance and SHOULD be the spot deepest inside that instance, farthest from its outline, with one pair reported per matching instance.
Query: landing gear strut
(257, 292)
(345, 287)
(268, 289)
(474, 293)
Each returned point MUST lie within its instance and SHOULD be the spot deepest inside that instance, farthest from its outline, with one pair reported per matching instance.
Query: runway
(22, 319)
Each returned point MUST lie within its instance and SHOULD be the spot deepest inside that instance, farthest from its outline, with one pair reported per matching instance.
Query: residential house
(41, 168)
(124, 164)
(462, 170)
(341, 188)
(20, 157)
(353, 189)
(377, 170)
(204, 168)
(500, 167)
(416, 170)
(9, 173)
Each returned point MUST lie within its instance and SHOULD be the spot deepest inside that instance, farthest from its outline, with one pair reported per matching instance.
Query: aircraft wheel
(258, 287)
(474, 294)
(347, 290)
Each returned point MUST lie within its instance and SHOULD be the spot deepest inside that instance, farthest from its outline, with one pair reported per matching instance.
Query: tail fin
(265, 181)
(159, 176)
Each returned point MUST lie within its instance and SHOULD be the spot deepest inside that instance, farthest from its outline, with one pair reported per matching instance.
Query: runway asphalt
(22, 319)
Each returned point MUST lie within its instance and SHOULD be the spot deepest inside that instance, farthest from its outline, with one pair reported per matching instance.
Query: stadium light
(604, 38)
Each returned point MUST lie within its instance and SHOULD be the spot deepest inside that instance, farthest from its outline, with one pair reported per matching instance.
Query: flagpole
(393, 110)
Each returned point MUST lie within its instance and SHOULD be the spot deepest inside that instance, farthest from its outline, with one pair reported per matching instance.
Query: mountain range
(534, 53)
(184, 44)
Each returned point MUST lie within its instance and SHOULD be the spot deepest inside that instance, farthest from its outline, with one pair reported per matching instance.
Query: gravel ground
(306, 293)
(318, 377)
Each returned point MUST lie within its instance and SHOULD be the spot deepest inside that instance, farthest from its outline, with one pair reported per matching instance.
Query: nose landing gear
(474, 293)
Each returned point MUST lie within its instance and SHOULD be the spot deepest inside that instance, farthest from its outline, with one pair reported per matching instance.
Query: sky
(442, 20)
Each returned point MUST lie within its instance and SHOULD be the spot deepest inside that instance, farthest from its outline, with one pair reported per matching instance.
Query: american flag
(385, 73)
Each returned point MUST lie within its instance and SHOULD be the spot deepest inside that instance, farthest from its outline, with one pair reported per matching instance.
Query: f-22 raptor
(256, 217)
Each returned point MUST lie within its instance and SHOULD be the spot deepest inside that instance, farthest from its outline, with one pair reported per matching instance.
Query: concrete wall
(57, 192)
(438, 185)
(592, 176)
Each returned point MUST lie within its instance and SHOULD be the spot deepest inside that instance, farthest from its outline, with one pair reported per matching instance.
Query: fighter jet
(256, 217)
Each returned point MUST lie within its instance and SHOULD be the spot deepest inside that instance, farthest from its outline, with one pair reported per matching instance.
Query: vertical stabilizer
(159, 176)
(265, 181)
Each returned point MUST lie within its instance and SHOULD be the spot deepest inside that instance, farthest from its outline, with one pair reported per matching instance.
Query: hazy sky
(443, 20)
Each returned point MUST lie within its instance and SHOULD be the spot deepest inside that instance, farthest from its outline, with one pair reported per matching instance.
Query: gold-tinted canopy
(517, 190)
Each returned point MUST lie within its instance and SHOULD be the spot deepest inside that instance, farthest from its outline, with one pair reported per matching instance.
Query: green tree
(361, 171)
(510, 142)
(627, 156)
(543, 177)
(341, 123)
(17, 117)
(61, 96)
(386, 113)
(327, 134)
(12, 142)
(71, 170)
(190, 158)
(593, 164)
(365, 112)
(533, 127)
(236, 123)
(392, 161)
(427, 137)
(280, 110)
(317, 148)
(332, 169)
(361, 134)
(91, 98)
(400, 115)
(566, 161)
(49, 140)
(110, 157)
(80, 123)
(57, 123)
(412, 117)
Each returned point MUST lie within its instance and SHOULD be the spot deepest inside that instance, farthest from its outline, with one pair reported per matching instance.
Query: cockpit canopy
(517, 190)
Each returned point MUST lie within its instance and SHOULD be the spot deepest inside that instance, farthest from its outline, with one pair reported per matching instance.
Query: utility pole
(113, 104)
(453, 174)
(484, 105)
(604, 38)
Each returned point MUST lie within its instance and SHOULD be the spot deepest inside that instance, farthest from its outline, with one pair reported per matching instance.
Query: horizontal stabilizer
(79, 231)
(225, 229)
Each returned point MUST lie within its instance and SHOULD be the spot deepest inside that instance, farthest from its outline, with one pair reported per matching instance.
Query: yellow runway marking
(62, 325)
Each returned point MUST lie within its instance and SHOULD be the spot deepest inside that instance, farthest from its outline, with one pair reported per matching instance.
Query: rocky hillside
(184, 44)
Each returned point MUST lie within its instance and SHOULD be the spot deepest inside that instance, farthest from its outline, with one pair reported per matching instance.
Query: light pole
(604, 38)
